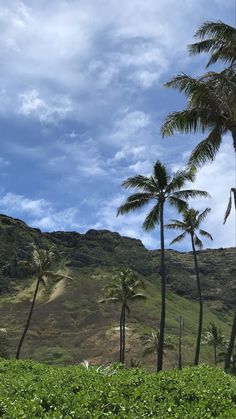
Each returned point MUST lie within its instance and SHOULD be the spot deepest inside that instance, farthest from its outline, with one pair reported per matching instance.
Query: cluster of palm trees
(211, 107)
(164, 189)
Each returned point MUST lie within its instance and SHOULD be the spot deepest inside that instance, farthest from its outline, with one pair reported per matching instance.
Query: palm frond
(176, 225)
(201, 46)
(203, 215)
(228, 209)
(176, 202)
(149, 350)
(200, 91)
(133, 202)
(179, 179)
(216, 30)
(220, 42)
(191, 193)
(108, 300)
(198, 243)
(204, 233)
(27, 265)
(160, 174)
(138, 296)
(206, 149)
(140, 182)
(152, 218)
(185, 121)
(55, 276)
(178, 238)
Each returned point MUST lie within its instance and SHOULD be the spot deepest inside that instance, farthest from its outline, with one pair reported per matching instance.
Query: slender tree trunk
(180, 343)
(121, 333)
(215, 355)
(199, 335)
(233, 132)
(163, 292)
(28, 320)
(123, 354)
(231, 344)
(157, 350)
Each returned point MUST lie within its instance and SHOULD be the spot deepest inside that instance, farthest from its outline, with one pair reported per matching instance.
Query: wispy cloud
(32, 104)
(88, 60)
(39, 213)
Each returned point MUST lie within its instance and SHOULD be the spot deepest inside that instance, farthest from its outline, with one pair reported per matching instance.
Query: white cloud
(129, 124)
(89, 60)
(218, 178)
(39, 213)
(31, 103)
(79, 156)
(128, 225)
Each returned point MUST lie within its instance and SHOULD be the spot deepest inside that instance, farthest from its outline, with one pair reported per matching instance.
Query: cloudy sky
(81, 105)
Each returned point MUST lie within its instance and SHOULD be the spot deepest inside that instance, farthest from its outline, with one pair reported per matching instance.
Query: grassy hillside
(30, 390)
(69, 325)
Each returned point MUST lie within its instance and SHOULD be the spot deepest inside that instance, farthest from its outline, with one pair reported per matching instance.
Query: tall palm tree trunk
(200, 320)
(233, 132)
(123, 349)
(231, 344)
(215, 355)
(180, 343)
(28, 320)
(163, 292)
(121, 334)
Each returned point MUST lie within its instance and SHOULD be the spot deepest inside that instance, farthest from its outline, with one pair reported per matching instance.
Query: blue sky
(81, 105)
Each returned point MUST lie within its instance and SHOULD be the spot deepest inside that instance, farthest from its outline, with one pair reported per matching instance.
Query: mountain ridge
(70, 325)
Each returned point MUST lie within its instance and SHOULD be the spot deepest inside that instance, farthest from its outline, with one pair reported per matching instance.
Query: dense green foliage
(29, 389)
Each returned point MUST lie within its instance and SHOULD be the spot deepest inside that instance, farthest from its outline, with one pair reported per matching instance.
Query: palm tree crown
(190, 224)
(123, 288)
(160, 187)
(217, 38)
(213, 337)
(211, 107)
(152, 340)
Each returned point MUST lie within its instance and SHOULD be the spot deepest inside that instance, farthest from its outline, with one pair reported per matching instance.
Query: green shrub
(29, 389)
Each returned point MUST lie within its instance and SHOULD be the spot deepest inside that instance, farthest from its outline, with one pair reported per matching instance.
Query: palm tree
(218, 39)
(190, 224)
(162, 188)
(152, 343)
(41, 262)
(211, 106)
(233, 330)
(123, 290)
(213, 337)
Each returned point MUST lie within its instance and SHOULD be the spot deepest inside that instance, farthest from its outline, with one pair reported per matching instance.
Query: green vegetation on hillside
(68, 323)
